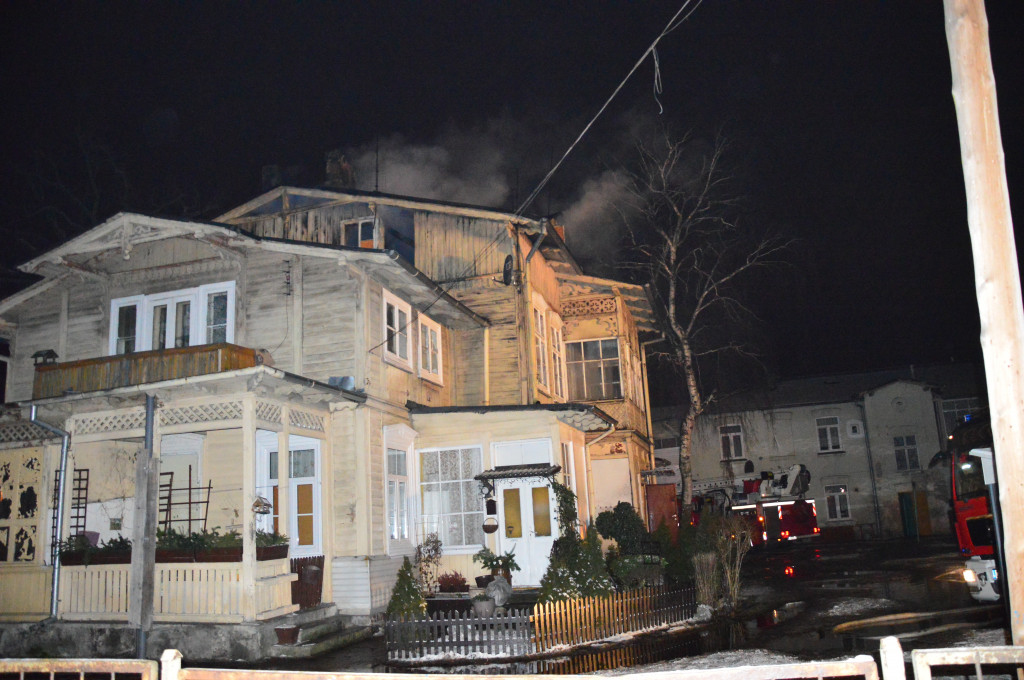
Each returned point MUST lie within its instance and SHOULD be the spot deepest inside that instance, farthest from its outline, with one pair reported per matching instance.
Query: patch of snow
(990, 637)
(728, 659)
(850, 606)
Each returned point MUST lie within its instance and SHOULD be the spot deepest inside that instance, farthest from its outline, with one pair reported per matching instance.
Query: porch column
(284, 475)
(248, 515)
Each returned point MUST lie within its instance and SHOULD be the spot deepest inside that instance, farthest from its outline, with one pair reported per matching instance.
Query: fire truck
(974, 495)
(773, 502)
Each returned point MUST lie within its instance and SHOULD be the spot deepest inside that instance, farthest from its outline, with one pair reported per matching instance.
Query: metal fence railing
(459, 633)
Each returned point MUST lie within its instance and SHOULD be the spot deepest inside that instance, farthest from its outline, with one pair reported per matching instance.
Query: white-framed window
(430, 350)
(905, 447)
(359, 233)
(593, 369)
(568, 467)
(837, 501)
(557, 361)
(828, 434)
(398, 495)
(452, 504)
(540, 345)
(732, 441)
(176, 318)
(397, 322)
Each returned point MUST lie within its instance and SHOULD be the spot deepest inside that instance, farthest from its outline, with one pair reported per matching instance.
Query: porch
(213, 471)
(201, 592)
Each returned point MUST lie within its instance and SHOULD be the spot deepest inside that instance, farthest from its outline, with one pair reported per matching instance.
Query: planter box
(79, 558)
(271, 552)
(219, 555)
(174, 555)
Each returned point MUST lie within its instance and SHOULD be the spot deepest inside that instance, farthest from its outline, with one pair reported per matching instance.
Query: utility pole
(996, 275)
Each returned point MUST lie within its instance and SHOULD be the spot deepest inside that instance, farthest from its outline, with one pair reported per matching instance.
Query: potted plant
(483, 606)
(79, 550)
(213, 546)
(174, 546)
(503, 564)
(271, 545)
(452, 582)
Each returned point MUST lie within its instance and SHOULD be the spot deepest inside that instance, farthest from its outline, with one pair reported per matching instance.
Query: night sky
(839, 118)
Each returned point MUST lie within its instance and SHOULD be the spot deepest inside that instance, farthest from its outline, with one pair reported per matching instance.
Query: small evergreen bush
(406, 598)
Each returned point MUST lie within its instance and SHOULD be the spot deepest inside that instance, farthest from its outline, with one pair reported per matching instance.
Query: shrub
(626, 528)
(406, 597)
(576, 569)
(493, 562)
(428, 562)
(452, 582)
(265, 539)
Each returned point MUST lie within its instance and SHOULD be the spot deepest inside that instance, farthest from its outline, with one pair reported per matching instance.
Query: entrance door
(662, 508)
(304, 509)
(528, 527)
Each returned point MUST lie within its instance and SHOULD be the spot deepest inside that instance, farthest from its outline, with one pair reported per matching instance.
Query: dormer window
(177, 318)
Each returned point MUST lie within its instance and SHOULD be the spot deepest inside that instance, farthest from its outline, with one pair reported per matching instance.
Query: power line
(675, 22)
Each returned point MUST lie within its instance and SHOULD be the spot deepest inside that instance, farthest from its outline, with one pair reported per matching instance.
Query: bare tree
(702, 264)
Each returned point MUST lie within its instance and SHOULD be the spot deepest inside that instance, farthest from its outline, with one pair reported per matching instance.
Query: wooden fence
(308, 587)
(458, 633)
(573, 622)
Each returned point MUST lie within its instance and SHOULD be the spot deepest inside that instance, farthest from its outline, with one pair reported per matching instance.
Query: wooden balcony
(123, 370)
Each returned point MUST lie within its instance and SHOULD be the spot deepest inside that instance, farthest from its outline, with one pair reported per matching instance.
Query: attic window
(359, 234)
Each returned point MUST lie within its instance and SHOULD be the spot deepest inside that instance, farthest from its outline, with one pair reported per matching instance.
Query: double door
(527, 527)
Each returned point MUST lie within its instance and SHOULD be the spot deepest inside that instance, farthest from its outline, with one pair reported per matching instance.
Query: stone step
(313, 631)
(325, 644)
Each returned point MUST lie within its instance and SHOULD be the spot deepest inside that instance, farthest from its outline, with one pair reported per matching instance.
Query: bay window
(593, 368)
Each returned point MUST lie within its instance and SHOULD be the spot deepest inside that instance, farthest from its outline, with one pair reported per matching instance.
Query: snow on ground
(990, 637)
(728, 659)
(854, 606)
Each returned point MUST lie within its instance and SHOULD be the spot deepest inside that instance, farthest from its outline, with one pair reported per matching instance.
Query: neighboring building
(867, 440)
(373, 338)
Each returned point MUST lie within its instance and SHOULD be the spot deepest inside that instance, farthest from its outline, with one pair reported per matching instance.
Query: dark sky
(839, 117)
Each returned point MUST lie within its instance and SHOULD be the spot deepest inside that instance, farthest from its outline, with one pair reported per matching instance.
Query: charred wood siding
(451, 247)
(324, 224)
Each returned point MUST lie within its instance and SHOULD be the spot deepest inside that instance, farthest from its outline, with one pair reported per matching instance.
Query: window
(567, 466)
(397, 315)
(666, 443)
(398, 502)
(540, 345)
(452, 504)
(906, 452)
(177, 318)
(838, 501)
(954, 410)
(557, 362)
(732, 441)
(359, 234)
(430, 350)
(593, 368)
(828, 434)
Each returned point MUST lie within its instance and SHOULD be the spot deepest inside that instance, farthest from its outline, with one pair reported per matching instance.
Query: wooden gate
(306, 591)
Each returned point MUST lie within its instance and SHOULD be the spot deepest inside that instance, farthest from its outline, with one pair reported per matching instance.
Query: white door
(527, 527)
(304, 511)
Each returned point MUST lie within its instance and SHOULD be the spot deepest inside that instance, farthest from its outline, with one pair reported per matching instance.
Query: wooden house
(352, 370)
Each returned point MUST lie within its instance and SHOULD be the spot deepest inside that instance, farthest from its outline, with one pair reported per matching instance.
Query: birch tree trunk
(997, 277)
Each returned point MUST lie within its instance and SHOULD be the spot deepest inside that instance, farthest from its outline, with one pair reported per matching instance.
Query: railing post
(170, 664)
(891, 654)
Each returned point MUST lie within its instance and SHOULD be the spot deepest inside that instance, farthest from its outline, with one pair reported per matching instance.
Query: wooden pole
(997, 277)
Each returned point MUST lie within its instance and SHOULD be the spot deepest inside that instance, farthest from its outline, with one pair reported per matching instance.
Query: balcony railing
(123, 370)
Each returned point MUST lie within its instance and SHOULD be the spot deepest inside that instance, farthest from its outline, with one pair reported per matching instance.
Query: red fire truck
(774, 504)
(974, 497)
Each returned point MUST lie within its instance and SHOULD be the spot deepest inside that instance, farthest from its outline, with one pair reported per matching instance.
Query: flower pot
(272, 552)
(287, 635)
(482, 581)
(119, 557)
(483, 608)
